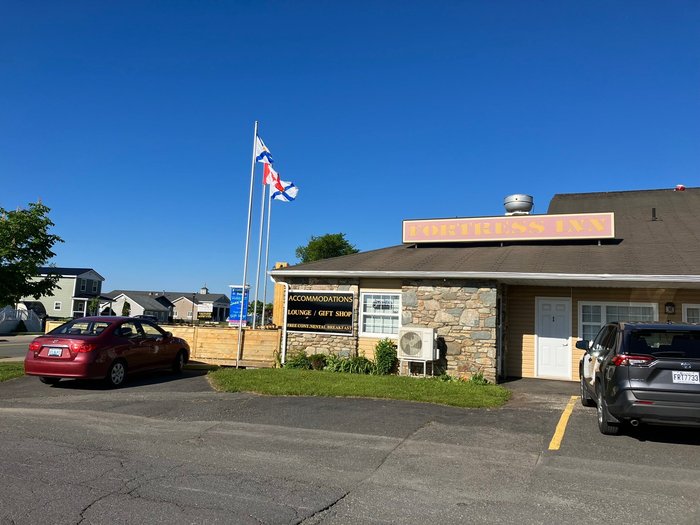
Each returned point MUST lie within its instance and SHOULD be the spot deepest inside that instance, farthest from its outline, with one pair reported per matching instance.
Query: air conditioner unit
(417, 344)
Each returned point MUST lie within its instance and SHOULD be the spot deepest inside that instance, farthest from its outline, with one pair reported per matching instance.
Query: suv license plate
(687, 378)
(57, 353)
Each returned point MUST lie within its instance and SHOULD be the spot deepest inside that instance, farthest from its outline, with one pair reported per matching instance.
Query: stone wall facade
(463, 313)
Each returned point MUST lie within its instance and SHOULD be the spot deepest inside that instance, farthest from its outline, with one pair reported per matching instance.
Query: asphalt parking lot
(171, 450)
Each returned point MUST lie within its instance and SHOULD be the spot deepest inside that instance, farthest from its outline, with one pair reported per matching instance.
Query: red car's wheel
(116, 375)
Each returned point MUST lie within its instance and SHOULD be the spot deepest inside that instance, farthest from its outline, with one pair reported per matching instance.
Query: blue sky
(133, 121)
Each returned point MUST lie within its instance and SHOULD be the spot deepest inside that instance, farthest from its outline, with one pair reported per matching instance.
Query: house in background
(153, 304)
(76, 287)
(169, 306)
(202, 306)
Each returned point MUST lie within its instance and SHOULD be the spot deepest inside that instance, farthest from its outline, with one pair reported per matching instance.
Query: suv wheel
(604, 424)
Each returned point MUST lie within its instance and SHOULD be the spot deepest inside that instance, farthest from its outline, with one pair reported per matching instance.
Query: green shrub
(317, 361)
(478, 379)
(349, 365)
(298, 360)
(385, 357)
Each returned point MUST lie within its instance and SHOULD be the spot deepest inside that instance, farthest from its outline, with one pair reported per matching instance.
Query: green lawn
(290, 382)
(11, 370)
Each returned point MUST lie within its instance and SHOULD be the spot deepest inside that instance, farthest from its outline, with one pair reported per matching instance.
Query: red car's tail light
(632, 360)
(81, 346)
(35, 346)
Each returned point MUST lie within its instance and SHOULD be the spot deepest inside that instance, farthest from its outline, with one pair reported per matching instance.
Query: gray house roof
(146, 301)
(170, 297)
(73, 272)
(645, 252)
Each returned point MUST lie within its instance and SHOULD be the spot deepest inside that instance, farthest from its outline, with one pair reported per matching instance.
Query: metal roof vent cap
(518, 204)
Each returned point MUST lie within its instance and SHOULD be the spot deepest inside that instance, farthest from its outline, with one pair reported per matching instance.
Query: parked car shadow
(135, 380)
(665, 434)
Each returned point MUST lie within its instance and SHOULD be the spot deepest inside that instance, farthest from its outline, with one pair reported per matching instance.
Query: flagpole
(267, 252)
(260, 242)
(247, 241)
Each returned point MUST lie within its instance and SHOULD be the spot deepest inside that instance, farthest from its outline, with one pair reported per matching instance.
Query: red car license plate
(55, 352)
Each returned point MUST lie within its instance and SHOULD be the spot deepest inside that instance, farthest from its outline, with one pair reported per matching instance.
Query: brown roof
(665, 250)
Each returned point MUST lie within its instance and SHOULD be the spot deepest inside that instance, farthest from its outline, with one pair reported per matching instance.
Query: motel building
(507, 295)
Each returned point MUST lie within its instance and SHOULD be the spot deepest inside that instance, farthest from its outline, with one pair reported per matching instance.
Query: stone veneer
(342, 345)
(464, 316)
(462, 312)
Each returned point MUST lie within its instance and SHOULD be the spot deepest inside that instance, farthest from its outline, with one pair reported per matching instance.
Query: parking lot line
(555, 443)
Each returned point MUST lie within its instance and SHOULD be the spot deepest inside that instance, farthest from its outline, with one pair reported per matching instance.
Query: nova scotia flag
(262, 154)
(284, 191)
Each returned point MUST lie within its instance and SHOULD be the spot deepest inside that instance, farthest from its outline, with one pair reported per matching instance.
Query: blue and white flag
(284, 191)
(262, 154)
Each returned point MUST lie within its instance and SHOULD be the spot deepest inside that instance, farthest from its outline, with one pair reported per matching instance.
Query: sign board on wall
(320, 312)
(511, 228)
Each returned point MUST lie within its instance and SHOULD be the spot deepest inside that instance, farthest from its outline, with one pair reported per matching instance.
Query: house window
(592, 316)
(691, 313)
(94, 286)
(83, 285)
(57, 305)
(380, 314)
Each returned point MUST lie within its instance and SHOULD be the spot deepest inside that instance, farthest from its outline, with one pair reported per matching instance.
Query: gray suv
(642, 373)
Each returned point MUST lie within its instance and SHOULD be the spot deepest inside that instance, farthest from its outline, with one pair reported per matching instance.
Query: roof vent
(518, 204)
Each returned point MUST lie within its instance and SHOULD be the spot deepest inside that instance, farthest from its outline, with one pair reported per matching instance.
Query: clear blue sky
(133, 121)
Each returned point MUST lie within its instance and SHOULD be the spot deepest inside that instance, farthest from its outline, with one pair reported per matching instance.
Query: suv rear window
(86, 328)
(664, 343)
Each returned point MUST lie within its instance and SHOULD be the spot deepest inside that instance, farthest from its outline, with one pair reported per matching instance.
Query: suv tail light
(632, 360)
(81, 346)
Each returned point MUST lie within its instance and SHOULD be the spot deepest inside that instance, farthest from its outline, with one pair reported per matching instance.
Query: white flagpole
(260, 242)
(247, 241)
(267, 253)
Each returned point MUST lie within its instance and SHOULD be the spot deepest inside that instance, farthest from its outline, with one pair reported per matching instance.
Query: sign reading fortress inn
(511, 228)
(324, 312)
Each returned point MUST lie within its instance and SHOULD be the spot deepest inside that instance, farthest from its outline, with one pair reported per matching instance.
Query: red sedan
(104, 348)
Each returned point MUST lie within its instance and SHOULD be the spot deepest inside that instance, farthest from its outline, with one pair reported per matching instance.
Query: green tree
(324, 247)
(25, 245)
(94, 306)
(126, 309)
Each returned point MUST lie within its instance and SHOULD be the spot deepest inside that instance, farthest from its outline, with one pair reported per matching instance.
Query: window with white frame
(380, 313)
(83, 285)
(94, 286)
(691, 313)
(592, 316)
(57, 305)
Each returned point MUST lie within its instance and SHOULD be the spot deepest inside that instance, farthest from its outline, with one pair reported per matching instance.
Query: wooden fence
(219, 346)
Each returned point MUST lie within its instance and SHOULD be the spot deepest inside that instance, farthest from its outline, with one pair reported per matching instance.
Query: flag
(262, 154)
(270, 176)
(284, 191)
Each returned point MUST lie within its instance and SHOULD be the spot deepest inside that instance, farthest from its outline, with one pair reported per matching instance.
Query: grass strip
(290, 382)
(11, 370)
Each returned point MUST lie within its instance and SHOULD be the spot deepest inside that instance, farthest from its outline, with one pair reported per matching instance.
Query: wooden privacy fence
(219, 346)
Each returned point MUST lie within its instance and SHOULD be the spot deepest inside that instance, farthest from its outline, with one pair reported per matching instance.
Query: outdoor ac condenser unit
(417, 344)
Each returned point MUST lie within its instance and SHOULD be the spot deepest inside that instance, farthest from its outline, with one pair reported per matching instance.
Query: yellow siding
(520, 317)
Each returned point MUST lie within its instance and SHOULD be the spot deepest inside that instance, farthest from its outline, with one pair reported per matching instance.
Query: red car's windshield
(78, 327)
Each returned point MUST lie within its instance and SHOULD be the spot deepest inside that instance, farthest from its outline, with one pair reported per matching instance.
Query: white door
(553, 330)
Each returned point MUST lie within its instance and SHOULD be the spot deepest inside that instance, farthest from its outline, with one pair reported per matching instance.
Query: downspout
(283, 350)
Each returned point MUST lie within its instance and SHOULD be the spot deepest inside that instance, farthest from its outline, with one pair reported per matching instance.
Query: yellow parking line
(561, 426)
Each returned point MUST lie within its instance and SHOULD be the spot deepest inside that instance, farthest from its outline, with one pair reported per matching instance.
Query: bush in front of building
(298, 360)
(385, 357)
(350, 365)
(318, 361)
